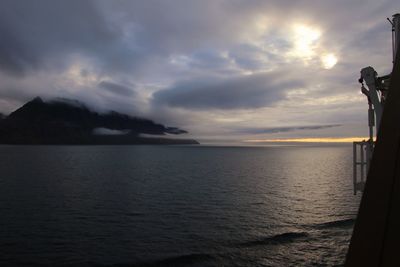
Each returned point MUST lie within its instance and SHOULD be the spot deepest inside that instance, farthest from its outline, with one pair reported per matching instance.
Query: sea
(279, 205)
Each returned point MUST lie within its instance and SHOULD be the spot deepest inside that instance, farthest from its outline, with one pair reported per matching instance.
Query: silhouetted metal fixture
(375, 89)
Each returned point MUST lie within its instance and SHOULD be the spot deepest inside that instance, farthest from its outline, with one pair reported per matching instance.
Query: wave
(184, 260)
(193, 259)
(337, 224)
(276, 239)
(134, 214)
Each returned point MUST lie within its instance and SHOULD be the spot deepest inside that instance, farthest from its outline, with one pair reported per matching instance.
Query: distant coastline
(70, 122)
(107, 140)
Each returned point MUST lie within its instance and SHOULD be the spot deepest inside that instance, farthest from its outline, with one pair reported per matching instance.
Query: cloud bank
(210, 66)
(244, 92)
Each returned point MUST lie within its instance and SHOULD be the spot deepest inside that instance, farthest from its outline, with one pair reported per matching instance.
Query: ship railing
(362, 154)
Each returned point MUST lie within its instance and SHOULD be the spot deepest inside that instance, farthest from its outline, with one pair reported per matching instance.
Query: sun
(305, 41)
(329, 61)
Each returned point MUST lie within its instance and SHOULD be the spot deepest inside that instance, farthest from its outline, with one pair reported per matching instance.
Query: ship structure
(376, 234)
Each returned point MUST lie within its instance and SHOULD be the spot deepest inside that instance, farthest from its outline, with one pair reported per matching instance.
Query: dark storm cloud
(120, 37)
(39, 34)
(245, 92)
(284, 129)
(116, 88)
(208, 59)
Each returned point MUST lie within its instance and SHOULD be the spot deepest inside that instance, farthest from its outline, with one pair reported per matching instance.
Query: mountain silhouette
(66, 121)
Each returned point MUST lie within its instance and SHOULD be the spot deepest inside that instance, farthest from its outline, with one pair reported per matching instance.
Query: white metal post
(362, 162)
(355, 167)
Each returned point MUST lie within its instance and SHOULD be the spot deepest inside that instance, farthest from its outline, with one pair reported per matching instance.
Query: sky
(221, 69)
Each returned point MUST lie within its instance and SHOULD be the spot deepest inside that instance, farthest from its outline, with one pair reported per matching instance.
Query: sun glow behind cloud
(304, 41)
(329, 61)
(306, 45)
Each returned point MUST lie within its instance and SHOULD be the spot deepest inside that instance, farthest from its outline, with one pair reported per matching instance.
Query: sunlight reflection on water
(196, 206)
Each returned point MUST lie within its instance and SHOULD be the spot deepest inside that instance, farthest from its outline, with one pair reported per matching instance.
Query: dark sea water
(175, 205)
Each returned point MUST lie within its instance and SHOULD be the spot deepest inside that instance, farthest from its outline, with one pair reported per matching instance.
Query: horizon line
(310, 140)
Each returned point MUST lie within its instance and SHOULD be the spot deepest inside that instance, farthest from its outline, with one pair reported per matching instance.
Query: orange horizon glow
(311, 140)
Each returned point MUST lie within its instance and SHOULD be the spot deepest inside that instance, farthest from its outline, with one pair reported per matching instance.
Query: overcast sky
(221, 69)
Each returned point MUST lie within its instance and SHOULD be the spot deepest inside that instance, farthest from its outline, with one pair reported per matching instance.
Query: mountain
(65, 121)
